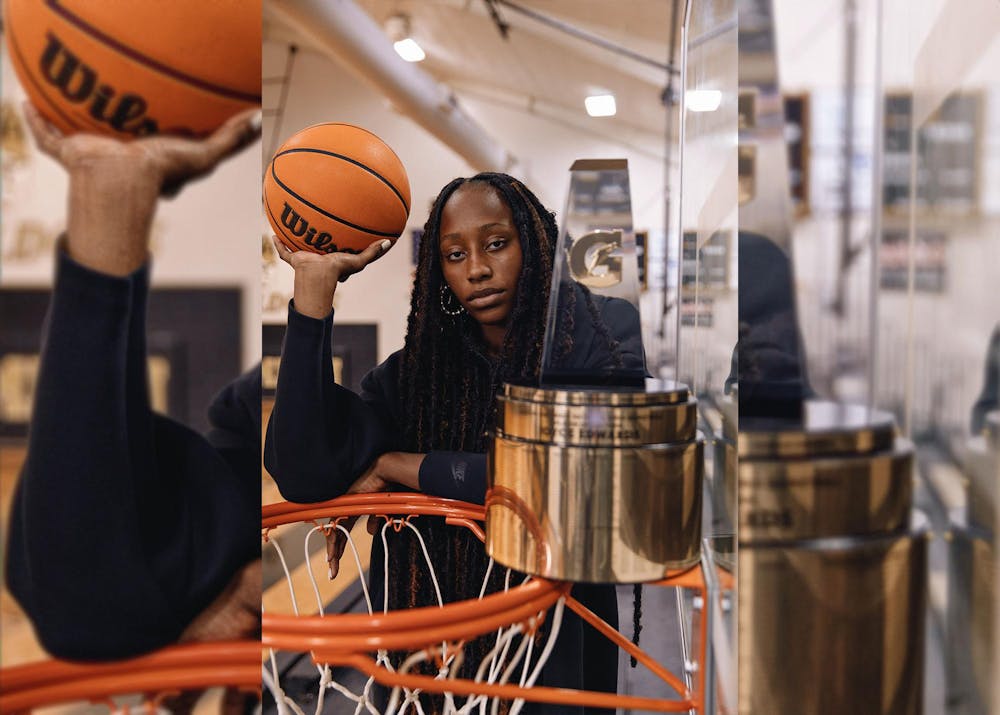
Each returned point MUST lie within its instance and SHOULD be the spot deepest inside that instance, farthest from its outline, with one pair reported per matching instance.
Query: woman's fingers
(356, 262)
(47, 137)
(375, 251)
(334, 548)
(237, 132)
(336, 541)
(336, 266)
(181, 159)
(284, 253)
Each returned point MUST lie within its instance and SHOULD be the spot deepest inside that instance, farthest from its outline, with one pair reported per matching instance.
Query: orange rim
(536, 693)
(396, 503)
(191, 666)
(348, 639)
(328, 637)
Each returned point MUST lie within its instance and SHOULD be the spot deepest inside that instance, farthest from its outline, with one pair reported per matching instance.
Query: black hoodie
(321, 437)
(124, 524)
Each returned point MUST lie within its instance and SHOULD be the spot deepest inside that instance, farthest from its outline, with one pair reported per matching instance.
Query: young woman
(477, 320)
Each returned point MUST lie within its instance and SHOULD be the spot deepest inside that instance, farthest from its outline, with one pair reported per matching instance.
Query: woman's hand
(368, 483)
(317, 275)
(114, 185)
(234, 614)
(392, 467)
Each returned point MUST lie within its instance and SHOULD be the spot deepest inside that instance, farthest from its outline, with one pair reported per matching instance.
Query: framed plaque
(193, 339)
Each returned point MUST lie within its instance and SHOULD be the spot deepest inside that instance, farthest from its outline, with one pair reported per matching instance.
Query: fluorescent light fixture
(702, 100)
(397, 27)
(409, 50)
(601, 105)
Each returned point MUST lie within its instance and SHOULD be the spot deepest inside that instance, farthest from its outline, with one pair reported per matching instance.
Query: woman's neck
(493, 337)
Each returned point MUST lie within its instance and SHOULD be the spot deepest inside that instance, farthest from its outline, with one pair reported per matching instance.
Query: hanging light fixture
(702, 100)
(397, 27)
(601, 105)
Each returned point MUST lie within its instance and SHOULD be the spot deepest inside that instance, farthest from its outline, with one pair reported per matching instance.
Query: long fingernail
(384, 246)
(330, 573)
(256, 121)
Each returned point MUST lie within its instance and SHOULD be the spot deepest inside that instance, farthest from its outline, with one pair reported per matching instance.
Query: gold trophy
(831, 578)
(596, 475)
(831, 574)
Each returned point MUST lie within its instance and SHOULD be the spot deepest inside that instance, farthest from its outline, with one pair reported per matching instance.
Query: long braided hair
(448, 386)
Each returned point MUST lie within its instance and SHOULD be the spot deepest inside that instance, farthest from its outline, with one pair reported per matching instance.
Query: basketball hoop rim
(379, 503)
(189, 666)
(329, 636)
(349, 640)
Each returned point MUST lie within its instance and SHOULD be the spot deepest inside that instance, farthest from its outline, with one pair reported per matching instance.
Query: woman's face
(481, 253)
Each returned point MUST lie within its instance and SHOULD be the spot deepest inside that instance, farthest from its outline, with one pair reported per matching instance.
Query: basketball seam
(366, 131)
(327, 213)
(69, 119)
(351, 161)
(149, 62)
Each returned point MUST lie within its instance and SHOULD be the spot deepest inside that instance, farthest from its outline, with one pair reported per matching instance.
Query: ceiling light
(397, 27)
(600, 105)
(702, 100)
(409, 50)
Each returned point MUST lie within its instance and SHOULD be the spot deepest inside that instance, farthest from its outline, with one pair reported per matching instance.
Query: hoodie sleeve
(140, 519)
(321, 436)
(454, 475)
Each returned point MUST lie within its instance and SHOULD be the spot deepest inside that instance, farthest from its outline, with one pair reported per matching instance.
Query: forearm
(111, 208)
(313, 292)
(321, 436)
(401, 468)
(81, 467)
(296, 449)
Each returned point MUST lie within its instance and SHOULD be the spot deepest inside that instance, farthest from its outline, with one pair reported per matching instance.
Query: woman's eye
(453, 256)
(496, 244)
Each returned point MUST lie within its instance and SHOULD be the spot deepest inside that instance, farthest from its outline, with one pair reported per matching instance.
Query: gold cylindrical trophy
(593, 485)
(831, 578)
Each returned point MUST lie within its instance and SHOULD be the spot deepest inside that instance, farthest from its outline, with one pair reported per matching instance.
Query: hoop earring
(449, 303)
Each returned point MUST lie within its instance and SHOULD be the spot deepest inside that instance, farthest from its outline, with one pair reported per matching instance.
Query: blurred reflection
(989, 396)
(768, 361)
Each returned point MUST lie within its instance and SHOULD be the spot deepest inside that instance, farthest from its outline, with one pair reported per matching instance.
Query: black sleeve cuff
(83, 283)
(454, 475)
(305, 321)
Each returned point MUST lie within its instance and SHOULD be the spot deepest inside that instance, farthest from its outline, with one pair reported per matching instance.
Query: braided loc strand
(443, 408)
(448, 391)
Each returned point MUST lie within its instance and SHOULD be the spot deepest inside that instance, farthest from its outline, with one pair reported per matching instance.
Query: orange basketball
(135, 67)
(336, 187)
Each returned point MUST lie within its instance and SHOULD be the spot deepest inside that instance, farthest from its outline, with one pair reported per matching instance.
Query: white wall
(207, 236)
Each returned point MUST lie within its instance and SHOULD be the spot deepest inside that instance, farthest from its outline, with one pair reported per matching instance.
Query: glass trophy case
(939, 318)
(705, 319)
(868, 240)
(596, 268)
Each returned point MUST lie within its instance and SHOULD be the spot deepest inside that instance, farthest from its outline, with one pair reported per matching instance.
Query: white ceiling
(538, 68)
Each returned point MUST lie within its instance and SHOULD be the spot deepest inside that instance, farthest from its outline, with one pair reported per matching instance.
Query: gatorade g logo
(591, 261)
(79, 84)
(300, 228)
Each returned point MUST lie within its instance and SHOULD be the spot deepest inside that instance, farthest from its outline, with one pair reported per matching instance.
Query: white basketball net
(514, 657)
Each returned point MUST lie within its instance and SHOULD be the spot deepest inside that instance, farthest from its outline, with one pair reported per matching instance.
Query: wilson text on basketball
(79, 84)
(300, 228)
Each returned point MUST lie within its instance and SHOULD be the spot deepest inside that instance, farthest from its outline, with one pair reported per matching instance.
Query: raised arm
(321, 437)
(125, 525)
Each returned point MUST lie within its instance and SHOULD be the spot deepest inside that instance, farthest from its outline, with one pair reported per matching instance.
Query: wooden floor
(18, 644)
